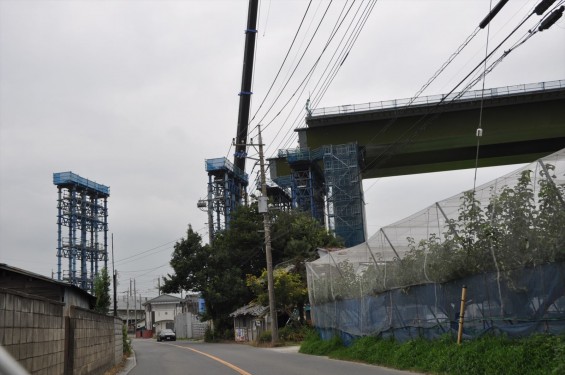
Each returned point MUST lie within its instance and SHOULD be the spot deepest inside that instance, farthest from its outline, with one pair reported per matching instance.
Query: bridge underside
(517, 128)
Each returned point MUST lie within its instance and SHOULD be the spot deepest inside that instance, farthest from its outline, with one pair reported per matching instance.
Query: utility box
(263, 205)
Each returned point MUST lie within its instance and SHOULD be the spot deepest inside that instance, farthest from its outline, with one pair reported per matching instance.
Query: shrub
(537, 354)
(209, 335)
(265, 337)
(294, 333)
(126, 341)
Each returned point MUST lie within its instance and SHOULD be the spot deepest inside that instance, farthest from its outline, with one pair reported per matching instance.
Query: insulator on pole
(543, 6)
(479, 132)
(551, 19)
(492, 13)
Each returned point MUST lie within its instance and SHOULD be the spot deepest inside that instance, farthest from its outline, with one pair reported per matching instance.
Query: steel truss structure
(280, 196)
(82, 207)
(344, 192)
(226, 189)
(326, 182)
(307, 182)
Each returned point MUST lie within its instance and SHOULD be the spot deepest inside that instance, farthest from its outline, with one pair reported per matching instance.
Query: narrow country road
(196, 358)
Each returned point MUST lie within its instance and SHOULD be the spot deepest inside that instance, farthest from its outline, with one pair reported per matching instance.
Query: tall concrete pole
(134, 308)
(114, 280)
(263, 208)
(246, 81)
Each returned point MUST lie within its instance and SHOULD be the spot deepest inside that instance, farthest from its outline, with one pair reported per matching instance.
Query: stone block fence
(188, 325)
(47, 337)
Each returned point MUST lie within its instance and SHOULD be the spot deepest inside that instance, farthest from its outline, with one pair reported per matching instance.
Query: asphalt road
(195, 358)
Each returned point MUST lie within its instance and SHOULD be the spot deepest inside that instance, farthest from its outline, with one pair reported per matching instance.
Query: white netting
(513, 222)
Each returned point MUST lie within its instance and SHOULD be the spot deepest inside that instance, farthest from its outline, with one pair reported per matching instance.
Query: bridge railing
(424, 100)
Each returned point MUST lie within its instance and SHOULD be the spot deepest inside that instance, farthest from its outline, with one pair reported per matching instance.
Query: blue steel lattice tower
(82, 208)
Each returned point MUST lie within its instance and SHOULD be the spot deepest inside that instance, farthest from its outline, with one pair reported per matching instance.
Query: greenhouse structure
(504, 241)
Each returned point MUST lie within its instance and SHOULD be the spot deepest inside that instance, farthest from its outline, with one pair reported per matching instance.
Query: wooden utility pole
(263, 208)
(134, 308)
(114, 276)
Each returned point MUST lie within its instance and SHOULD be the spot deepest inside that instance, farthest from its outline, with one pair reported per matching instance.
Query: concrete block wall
(32, 331)
(188, 325)
(94, 341)
(118, 341)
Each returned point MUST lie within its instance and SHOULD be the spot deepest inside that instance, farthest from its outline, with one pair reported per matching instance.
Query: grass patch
(538, 354)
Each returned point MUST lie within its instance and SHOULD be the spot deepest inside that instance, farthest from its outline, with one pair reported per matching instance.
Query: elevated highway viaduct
(343, 145)
(520, 124)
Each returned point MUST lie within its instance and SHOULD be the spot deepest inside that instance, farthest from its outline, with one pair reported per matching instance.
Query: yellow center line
(233, 367)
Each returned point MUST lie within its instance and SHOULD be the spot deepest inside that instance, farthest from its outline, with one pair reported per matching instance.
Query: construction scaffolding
(280, 196)
(344, 191)
(82, 207)
(326, 182)
(226, 189)
(307, 182)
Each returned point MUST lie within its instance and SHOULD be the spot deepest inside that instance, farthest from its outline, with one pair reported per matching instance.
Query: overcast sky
(136, 94)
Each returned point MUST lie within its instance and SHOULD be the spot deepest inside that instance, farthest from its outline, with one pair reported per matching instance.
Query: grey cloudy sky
(136, 94)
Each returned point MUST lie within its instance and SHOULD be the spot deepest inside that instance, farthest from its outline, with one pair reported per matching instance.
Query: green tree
(290, 291)
(102, 291)
(190, 264)
(219, 271)
(512, 232)
(296, 239)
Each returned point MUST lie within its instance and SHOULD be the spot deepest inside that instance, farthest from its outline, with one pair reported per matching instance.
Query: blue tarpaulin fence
(530, 300)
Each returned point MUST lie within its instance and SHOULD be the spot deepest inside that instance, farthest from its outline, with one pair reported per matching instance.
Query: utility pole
(114, 276)
(264, 209)
(134, 308)
(127, 307)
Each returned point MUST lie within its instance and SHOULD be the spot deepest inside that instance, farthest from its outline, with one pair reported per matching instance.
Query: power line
(284, 61)
(146, 251)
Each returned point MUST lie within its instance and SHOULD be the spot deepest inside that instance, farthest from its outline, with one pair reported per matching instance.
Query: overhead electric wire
(387, 150)
(284, 61)
(298, 64)
(342, 52)
(331, 33)
(146, 251)
(309, 75)
(345, 51)
(479, 132)
(459, 94)
(310, 72)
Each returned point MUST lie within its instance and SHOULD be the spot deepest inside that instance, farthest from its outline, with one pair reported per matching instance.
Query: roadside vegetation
(230, 272)
(537, 354)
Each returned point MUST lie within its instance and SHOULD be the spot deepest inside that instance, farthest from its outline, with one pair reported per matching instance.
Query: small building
(250, 321)
(20, 280)
(160, 313)
(130, 309)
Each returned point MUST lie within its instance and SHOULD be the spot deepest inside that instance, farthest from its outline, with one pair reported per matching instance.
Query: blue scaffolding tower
(326, 182)
(226, 189)
(82, 207)
(307, 187)
(344, 192)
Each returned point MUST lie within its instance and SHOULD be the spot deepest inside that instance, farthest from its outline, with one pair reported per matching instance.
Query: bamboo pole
(461, 314)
